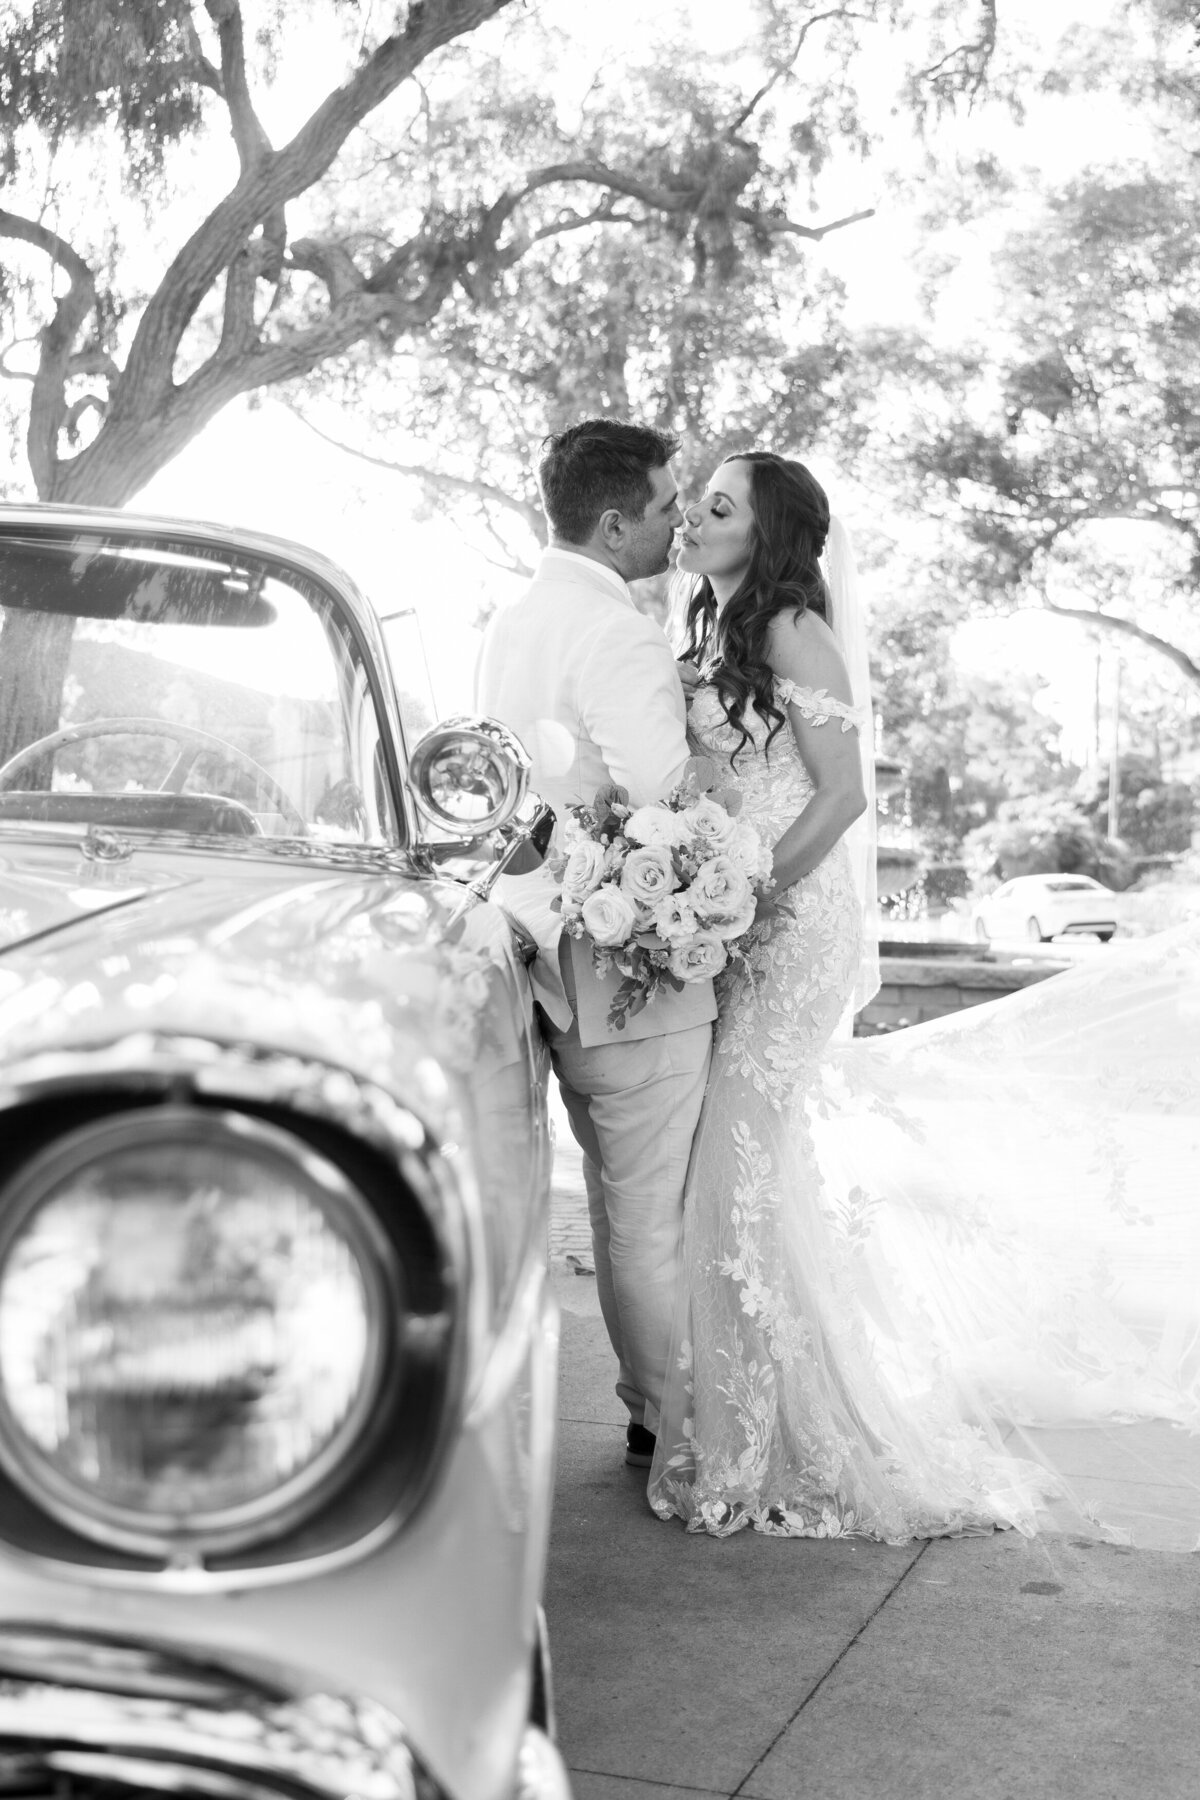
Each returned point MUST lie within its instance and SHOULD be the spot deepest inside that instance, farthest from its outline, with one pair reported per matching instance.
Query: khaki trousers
(633, 1109)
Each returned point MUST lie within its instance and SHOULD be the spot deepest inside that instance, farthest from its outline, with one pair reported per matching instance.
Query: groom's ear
(613, 528)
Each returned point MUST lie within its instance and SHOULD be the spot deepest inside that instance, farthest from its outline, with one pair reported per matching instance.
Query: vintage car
(277, 1344)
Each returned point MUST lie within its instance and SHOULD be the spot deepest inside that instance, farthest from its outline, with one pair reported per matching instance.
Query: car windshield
(183, 689)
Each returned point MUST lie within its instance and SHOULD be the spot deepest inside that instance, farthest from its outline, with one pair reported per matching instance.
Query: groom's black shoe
(639, 1446)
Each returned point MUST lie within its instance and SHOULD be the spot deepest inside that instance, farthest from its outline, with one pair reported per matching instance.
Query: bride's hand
(774, 905)
(691, 678)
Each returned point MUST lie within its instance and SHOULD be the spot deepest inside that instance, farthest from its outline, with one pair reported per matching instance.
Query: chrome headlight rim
(304, 1493)
(486, 737)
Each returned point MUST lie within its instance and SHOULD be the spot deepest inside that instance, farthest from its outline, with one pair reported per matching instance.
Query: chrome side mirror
(468, 775)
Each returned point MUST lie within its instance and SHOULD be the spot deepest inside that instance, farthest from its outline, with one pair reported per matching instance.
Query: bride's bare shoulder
(801, 648)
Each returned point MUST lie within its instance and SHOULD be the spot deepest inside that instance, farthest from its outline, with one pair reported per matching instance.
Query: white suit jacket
(590, 687)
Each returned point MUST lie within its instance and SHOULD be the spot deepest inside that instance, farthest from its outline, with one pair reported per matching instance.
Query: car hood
(45, 887)
(362, 965)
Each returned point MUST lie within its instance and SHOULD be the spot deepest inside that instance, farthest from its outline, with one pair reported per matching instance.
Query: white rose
(654, 825)
(738, 923)
(648, 875)
(609, 915)
(709, 824)
(584, 871)
(721, 897)
(674, 920)
(752, 856)
(700, 959)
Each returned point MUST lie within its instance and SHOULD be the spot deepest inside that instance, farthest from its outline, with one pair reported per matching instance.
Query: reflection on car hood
(335, 963)
(40, 891)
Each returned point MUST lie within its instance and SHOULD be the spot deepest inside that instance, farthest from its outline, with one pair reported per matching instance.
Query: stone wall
(924, 982)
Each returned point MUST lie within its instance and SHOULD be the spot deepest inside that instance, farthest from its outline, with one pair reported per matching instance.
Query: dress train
(943, 1281)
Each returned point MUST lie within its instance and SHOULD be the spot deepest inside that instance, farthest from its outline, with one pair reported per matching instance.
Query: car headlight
(194, 1313)
(469, 775)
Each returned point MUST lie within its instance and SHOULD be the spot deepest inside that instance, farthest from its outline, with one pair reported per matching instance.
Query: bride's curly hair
(789, 524)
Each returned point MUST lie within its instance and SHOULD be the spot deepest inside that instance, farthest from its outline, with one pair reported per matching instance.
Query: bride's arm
(803, 651)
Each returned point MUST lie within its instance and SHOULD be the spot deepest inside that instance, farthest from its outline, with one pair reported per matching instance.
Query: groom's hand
(691, 678)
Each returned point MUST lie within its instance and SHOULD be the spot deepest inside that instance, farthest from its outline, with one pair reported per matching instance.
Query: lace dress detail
(826, 1376)
(818, 704)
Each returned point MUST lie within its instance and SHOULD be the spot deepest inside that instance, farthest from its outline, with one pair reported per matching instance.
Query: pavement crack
(835, 1664)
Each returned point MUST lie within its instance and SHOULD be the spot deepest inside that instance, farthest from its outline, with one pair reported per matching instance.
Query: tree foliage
(967, 741)
(429, 170)
(1043, 834)
(1063, 451)
(1156, 816)
(619, 327)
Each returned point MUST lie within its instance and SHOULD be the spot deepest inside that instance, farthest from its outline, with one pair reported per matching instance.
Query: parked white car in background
(1039, 907)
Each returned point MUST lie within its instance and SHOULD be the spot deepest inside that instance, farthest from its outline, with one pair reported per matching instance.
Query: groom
(591, 688)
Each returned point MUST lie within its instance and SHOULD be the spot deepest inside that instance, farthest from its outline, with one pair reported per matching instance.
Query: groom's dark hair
(597, 465)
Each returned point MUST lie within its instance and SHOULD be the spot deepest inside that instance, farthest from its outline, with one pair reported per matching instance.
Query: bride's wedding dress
(931, 1282)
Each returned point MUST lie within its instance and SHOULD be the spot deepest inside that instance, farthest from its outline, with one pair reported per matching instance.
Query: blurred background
(334, 270)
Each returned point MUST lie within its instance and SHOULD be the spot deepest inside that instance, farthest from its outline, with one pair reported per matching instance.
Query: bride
(940, 1282)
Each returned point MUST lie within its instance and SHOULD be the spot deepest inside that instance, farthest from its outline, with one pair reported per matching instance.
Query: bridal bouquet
(662, 891)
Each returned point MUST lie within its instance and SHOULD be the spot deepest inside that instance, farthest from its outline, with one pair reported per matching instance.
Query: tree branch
(770, 222)
(75, 412)
(332, 264)
(676, 200)
(1126, 627)
(605, 214)
(965, 60)
(280, 176)
(198, 66)
(249, 136)
(16, 374)
(47, 408)
(507, 562)
(238, 332)
(253, 145)
(483, 491)
(92, 360)
(785, 68)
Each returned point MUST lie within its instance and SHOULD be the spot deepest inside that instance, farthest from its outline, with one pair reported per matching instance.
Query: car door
(1000, 911)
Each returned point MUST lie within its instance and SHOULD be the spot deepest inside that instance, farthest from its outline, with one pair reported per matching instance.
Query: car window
(1072, 885)
(182, 689)
(1005, 892)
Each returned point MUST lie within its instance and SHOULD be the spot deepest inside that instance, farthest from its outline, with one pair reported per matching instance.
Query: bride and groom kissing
(777, 1369)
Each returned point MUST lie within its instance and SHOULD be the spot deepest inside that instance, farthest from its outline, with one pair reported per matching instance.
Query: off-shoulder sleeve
(817, 704)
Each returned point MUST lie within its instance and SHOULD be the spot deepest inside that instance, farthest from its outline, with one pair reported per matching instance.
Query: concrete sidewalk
(784, 1670)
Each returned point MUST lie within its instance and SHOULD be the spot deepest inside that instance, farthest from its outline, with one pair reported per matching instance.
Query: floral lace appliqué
(818, 705)
(775, 1415)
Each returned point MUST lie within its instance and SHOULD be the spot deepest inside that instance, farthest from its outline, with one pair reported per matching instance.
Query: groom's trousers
(633, 1109)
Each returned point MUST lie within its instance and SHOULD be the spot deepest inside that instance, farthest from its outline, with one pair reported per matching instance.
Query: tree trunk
(35, 648)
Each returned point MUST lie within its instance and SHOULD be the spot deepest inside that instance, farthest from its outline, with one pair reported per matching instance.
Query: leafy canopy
(183, 230)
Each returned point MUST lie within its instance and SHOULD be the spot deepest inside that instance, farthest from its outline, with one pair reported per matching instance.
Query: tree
(757, 357)
(1044, 835)
(1096, 418)
(1156, 816)
(415, 185)
(969, 743)
(418, 180)
(122, 378)
(665, 316)
(1064, 451)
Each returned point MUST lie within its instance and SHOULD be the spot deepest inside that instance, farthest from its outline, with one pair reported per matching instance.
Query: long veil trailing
(848, 623)
(944, 1279)
(1020, 1185)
